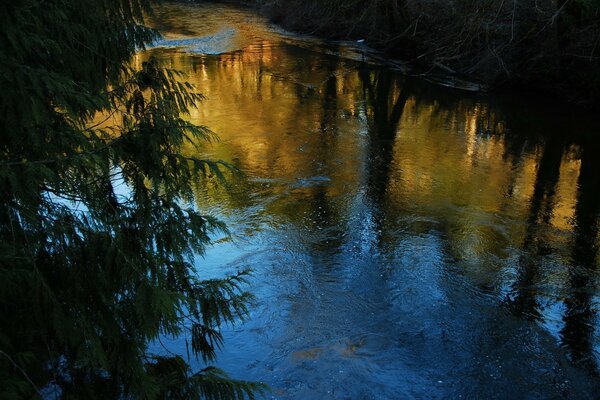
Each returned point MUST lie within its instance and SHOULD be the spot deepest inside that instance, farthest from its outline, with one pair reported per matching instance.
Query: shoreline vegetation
(548, 46)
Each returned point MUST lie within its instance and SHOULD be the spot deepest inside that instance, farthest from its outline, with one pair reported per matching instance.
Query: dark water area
(407, 240)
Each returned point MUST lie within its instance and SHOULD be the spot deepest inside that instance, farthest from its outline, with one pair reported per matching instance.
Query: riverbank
(551, 47)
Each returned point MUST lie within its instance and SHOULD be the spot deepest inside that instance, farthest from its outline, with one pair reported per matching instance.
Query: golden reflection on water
(287, 118)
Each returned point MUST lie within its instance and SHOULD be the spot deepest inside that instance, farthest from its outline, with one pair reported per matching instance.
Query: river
(407, 240)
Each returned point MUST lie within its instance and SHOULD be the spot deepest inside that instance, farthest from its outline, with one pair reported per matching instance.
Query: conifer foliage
(97, 226)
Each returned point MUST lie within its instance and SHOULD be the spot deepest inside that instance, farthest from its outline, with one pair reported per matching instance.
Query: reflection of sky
(221, 42)
(432, 255)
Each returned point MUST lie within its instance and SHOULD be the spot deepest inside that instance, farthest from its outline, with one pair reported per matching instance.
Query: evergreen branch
(22, 371)
(93, 284)
(214, 384)
(62, 159)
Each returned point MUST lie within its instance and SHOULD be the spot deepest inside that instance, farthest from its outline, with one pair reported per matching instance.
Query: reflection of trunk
(578, 331)
(330, 106)
(540, 212)
(386, 112)
(324, 214)
(325, 219)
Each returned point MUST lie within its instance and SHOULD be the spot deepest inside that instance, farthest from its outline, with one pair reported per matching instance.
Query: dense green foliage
(553, 45)
(97, 225)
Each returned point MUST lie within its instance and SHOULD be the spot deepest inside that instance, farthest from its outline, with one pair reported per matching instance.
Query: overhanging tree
(90, 275)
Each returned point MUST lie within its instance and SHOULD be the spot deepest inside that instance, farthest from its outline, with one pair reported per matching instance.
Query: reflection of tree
(534, 246)
(386, 97)
(578, 331)
(324, 214)
(330, 104)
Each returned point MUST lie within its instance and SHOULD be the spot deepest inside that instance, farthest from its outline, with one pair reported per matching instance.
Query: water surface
(407, 240)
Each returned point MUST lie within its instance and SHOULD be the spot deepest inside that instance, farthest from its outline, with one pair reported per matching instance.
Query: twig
(22, 372)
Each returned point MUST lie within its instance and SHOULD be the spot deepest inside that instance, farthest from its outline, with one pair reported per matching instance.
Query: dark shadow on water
(385, 94)
(534, 247)
(577, 334)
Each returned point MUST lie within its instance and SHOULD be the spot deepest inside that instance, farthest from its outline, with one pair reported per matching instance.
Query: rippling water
(407, 240)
